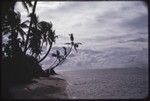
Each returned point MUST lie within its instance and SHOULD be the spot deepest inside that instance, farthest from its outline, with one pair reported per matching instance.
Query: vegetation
(60, 58)
(22, 50)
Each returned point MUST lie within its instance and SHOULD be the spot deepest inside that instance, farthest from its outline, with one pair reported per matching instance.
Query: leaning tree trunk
(51, 70)
(46, 53)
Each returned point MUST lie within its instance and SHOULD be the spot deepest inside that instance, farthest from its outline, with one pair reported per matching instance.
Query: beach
(115, 83)
(42, 88)
(75, 50)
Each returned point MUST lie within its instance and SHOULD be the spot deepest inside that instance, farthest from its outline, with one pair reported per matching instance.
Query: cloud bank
(111, 29)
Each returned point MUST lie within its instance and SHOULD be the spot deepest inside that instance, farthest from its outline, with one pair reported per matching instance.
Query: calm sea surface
(106, 83)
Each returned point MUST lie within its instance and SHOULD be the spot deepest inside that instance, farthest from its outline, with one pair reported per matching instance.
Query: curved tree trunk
(46, 53)
(66, 56)
(51, 70)
(62, 60)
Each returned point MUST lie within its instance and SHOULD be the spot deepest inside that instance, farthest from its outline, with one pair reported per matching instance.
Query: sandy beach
(75, 50)
(121, 83)
(43, 88)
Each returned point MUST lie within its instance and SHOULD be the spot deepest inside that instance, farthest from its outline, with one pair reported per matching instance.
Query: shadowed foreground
(119, 83)
(42, 88)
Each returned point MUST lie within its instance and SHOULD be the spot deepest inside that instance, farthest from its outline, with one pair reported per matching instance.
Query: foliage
(23, 48)
(61, 56)
(23, 44)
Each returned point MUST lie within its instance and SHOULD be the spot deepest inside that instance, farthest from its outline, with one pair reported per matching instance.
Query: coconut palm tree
(33, 20)
(41, 34)
(14, 28)
(48, 36)
(31, 43)
(11, 23)
(60, 58)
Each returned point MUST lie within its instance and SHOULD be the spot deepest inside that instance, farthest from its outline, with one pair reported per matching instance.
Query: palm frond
(57, 52)
(29, 2)
(22, 33)
(71, 37)
(25, 6)
(65, 50)
(54, 55)
(23, 25)
(26, 3)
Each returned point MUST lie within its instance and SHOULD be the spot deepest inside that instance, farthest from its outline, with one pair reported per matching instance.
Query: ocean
(119, 83)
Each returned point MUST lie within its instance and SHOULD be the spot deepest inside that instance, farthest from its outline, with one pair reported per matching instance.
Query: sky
(103, 27)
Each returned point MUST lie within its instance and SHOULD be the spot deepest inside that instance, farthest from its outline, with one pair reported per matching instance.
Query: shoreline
(76, 85)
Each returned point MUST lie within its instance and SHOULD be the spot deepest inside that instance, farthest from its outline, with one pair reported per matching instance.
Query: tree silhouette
(60, 58)
(32, 21)
(23, 49)
(33, 40)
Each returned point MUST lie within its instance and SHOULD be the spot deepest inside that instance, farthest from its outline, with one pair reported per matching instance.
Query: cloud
(139, 40)
(99, 25)
(140, 22)
(117, 57)
(93, 18)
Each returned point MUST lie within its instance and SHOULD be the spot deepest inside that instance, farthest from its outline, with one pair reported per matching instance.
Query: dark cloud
(139, 40)
(137, 5)
(121, 36)
(140, 22)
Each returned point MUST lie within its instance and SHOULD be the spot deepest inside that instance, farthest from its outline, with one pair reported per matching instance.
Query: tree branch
(46, 53)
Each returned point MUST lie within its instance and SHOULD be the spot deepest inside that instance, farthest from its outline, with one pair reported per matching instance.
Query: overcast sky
(96, 24)
(93, 21)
